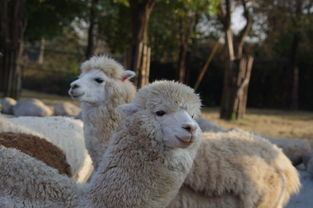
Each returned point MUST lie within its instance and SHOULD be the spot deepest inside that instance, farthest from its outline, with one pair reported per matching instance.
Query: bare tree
(41, 51)
(91, 29)
(294, 51)
(238, 67)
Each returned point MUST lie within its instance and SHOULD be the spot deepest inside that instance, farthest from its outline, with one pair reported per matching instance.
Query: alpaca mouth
(184, 142)
(75, 95)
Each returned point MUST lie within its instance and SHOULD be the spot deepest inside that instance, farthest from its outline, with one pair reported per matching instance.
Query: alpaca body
(240, 168)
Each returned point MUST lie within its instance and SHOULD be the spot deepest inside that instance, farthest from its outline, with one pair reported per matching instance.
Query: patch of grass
(273, 123)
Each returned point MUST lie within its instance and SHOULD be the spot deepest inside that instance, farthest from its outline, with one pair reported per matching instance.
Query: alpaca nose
(74, 86)
(189, 127)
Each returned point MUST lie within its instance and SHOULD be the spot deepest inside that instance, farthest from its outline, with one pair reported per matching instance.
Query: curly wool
(64, 132)
(104, 63)
(38, 148)
(7, 126)
(28, 182)
(239, 171)
(163, 93)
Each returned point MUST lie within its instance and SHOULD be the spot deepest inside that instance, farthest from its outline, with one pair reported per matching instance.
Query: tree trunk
(42, 51)
(294, 72)
(91, 29)
(236, 81)
(295, 88)
(294, 69)
(139, 55)
(11, 34)
(183, 50)
(182, 65)
(238, 69)
(11, 76)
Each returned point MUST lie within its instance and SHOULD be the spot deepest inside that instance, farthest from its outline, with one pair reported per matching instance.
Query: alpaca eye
(160, 113)
(99, 80)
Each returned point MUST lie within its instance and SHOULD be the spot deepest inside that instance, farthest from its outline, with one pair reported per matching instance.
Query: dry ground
(273, 123)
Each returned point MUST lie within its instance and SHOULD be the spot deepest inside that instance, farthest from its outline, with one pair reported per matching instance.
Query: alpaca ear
(128, 109)
(127, 74)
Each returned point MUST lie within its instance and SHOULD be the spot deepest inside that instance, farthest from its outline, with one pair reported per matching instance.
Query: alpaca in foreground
(102, 86)
(160, 140)
(145, 163)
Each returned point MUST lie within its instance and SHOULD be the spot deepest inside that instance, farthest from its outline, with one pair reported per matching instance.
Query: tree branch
(225, 16)
(150, 3)
(228, 13)
(246, 30)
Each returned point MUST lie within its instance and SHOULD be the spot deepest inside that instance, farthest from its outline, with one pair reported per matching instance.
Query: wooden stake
(206, 65)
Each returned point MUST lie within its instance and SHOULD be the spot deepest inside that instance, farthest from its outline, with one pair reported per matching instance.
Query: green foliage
(171, 19)
(123, 2)
(114, 26)
(48, 18)
(283, 21)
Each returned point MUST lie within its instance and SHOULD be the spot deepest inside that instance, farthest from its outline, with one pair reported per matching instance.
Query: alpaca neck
(100, 121)
(153, 171)
(99, 125)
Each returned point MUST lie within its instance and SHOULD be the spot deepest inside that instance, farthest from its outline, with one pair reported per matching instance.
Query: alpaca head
(97, 74)
(166, 110)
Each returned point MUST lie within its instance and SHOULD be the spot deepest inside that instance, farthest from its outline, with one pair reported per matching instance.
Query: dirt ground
(273, 123)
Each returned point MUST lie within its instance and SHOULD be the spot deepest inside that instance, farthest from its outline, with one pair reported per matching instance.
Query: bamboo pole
(148, 65)
(144, 66)
(206, 65)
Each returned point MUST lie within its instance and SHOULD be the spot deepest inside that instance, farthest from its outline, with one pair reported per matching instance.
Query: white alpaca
(102, 86)
(144, 165)
(294, 149)
(237, 170)
(7, 126)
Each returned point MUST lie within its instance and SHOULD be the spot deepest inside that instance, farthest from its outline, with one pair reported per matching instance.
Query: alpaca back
(38, 148)
(25, 180)
(252, 169)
